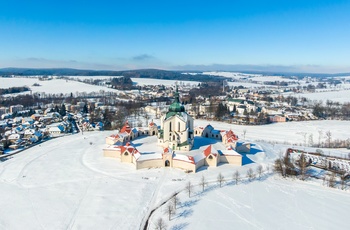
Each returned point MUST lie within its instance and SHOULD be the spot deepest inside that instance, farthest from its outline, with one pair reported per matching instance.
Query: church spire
(176, 106)
(177, 97)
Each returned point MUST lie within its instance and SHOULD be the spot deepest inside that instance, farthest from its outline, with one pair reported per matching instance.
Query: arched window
(178, 126)
(196, 131)
(170, 126)
(174, 138)
(126, 154)
(210, 157)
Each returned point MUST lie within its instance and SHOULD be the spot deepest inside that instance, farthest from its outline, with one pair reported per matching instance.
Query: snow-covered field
(54, 86)
(287, 132)
(341, 96)
(66, 183)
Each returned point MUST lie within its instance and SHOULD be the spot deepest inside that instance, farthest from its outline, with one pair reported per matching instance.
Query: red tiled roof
(207, 151)
(191, 159)
(231, 136)
(126, 128)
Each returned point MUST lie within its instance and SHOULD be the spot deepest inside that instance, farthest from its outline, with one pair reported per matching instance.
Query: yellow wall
(184, 165)
(126, 158)
(211, 162)
(149, 164)
(111, 153)
(234, 160)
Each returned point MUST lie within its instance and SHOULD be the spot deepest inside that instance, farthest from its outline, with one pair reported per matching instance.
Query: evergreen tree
(85, 109)
(57, 109)
(62, 111)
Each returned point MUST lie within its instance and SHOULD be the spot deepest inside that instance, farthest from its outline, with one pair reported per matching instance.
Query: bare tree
(175, 200)
(320, 133)
(250, 174)
(311, 140)
(189, 188)
(244, 133)
(278, 167)
(170, 210)
(236, 176)
(221, 179)
(329, 138)
(268, 169)
(302, 164)
(203, 183)
(160, 224)
(288, 166)
(343, 181)
(259, 171)
(332, 181)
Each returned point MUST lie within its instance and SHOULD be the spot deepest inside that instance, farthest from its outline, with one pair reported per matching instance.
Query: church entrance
(167, 163)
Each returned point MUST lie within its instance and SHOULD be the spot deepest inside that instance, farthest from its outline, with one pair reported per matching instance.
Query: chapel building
(176, 129)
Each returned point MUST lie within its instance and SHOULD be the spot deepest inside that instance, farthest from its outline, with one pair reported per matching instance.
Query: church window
(170, 126)
(178, 126)
(174, 138)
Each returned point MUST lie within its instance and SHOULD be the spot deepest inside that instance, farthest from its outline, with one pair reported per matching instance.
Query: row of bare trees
(174, 202)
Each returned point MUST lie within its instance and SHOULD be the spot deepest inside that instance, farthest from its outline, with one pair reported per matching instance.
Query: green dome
(176, 106)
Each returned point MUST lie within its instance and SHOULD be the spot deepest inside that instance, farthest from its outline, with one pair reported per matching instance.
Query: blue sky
(298, 35)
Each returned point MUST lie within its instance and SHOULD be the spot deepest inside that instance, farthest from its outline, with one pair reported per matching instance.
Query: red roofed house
(229, 138)
(152, 129)
(211, 156)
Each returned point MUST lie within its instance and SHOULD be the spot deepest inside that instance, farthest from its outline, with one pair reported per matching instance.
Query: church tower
(176, 127)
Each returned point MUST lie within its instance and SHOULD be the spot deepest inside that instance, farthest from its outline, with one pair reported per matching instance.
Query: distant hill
(141, 73)
(149, 73)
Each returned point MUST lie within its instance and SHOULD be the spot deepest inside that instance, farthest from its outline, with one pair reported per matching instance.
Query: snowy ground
(54, 86)
(66, 183)
(287, 132)
(271, 203)
(341, 95)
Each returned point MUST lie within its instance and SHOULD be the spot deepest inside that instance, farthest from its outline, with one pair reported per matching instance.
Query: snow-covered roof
(185, 158)
(146, 157)
(54, 129)
(229, 152)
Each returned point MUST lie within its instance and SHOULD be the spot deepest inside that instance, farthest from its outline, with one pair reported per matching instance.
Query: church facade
(176, 130)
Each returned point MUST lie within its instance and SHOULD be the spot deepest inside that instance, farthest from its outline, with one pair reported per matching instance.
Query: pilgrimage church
(176, 129)
(176, 137)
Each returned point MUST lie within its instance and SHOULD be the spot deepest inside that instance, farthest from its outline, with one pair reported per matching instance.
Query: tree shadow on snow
(189, 203)
(186, 213)
(179, 226)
